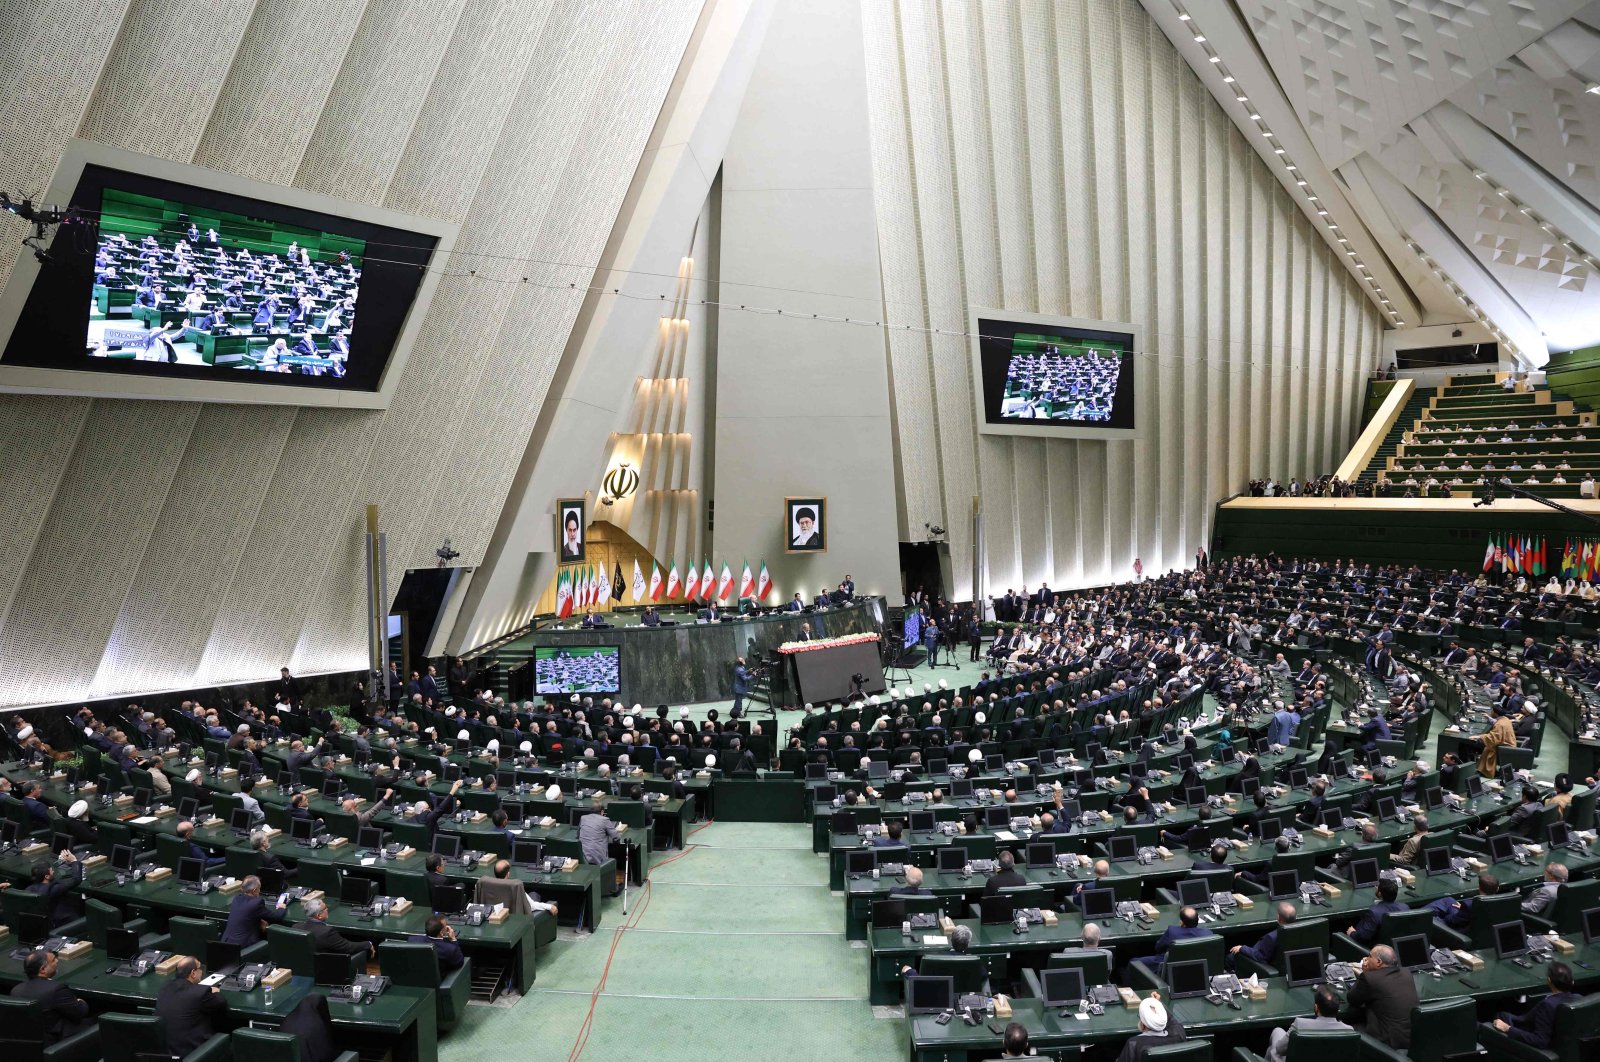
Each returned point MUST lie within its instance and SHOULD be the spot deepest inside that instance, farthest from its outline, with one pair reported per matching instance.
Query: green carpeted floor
(735, 950)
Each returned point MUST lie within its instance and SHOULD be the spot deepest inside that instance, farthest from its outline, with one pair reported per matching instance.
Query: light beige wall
(1061, 158)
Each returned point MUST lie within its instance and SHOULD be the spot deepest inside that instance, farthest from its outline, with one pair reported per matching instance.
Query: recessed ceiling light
(1266, 132)
(1228, 80)
(1278, 151)
(1312, 198)
(1216, 58)
(1594, 88)
(1292, 167)
(1183, 18)
(1302, 183)
(1324, 213)
(1199, 38)
(1255, 117)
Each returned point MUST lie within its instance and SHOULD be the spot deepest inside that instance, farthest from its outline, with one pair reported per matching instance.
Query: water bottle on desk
(266, 994)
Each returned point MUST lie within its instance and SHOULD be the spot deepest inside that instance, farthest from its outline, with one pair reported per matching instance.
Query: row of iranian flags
(584, 586)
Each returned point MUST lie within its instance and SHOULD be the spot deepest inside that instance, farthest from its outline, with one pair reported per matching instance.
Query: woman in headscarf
(1251, 769)
(1497, 735)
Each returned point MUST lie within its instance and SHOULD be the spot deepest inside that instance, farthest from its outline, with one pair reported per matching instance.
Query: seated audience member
(1534, 1025)
(64, 1012)
(1384, 996)
(1188, 927)
(1457, 914)
(1265, 950)
(442, 936)
(1366, 930)
(312, 1027)
(1324, 1016)
(327, 938)
(1157, 1026)
(188, 1009)
(1541, 898)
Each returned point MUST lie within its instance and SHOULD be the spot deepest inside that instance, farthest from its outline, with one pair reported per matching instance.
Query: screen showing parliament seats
(577, 669)
(1053, 376)
(151, 277)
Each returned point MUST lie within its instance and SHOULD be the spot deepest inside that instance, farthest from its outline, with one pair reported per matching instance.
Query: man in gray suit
(1324, 1016)
(595, 832)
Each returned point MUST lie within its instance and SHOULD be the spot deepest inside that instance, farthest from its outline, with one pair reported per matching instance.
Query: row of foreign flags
(1529, 555)
(581, 587)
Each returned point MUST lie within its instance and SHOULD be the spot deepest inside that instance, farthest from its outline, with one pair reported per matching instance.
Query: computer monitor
(191, 871)
(1194, 796)
(997, 909)
(357, 891)
(142, 797)
(1501, 847)
(1508, 774)
(961, 788)
(1364, 873)
(447, 845)
(997, 817)
(1559, 834)
(1510, 939)
(1283, 884)
(877, 769)
(938, 765)
(285, 780)
(1083, 778)
(1092, 751)
(9, 831)
(1138, 770)
(1248, 786)
(1332, 818)
(1192, 892)
(302, 829)
(1386, 808)
(860, 861)
(994, 761)
(1227, 754)
(188, 808)
(332, 968)
(1474, 786)
(60, 842)
(952, 859)
(272, 880)
(1188, 979)
(452, 771)
(223, 958)
(842, 823)
(921, 821)
(824, 794)
(121, 944)
(1303, 966)
(1436, 860)
(1270, 828)
(1070, 810)
(331, 785)
(1099, 903)
(213, 762)
(369, 838)
(1061, 987)
(239, 819)
(1041, 854)
(1591, 925)
(450, 899)
(930, 995)
(1182, 762)
(33, 928)
(888, 914)
(1341, 768)
(527, 853)
(1298, 777)
(1432, 797)
(1412, 951)
(816, 770)
(1122, 848)
(1135, 743)
(122, 858)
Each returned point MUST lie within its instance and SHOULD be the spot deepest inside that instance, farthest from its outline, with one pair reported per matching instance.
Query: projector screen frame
(80, 154)
(1046, 430)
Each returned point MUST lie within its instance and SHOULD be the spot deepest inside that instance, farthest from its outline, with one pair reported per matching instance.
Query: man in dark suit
(55, 887)
(1188, 927)
(913, 885)
(1264, 950)
(741, 687)
(1366, 931)
(326, 938)
(1006, 877)
(795, 604)
(1217, 858)
(1386, 994)
(651, 617)
(64, 1011)
(1535, 1026)
(38, 811)
(248, 912)
(438, 933)
(191, 850)
(189, 1009)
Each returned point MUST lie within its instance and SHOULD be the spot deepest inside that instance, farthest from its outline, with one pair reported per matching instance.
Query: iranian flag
(1488, 554)
(708, 579)
(763, 583)
(691, 583)
(564, 593)
(674, 587)
(638, 582)
(747, 582)
(655, 581)
(588, 586)
(725, 584)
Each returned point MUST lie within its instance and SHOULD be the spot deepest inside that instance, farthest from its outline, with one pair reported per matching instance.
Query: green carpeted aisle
(735, 950)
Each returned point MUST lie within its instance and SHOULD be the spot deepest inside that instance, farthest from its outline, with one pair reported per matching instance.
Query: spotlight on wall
(446, 553)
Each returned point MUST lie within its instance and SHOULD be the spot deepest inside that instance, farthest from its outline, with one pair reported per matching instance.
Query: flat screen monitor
(121, 944)
(60, 842)
(1070, 810)
(1271, 828)
(1227, 754)
(357, 891)
(1303, 966)
(1508, 774)
(842, 823)
(331, 786)
(938, 765)
(527, 853)
(1386, 808)
(191, 871)
(952, 859)
(1510, 939)
(177, 282)
(1591, 925)
(860, 861)
(824, 794)
(1248, 786)
(1559, 834)
(1092, 751)
(450, 899)
(1187, 979)
(961, 788)
(1341, 768)
(1501, 847)
(1099, 903)
(1192, 892)
(1182, 762)
(239, 819)
(815, 771)
(188, 808)
(921, 821)
(994, 761)
(331, 968)
(1412, 951)
(369, 838)
(997, 817)
(1054, 376)
(516, 812)
(888, 914)
(222, 957)
(1436, 860)
(1283, 884)
(9, 831)
(1122, 848)
(1138, 770)
(142, 797)
(1298, 777)
(1474, 786)
(33, 929)
(122, 858)
(997, 909)
(1083, 778)
(302, 829)
(877, 769)
(1061, 987)
(285, 781)
(930, 995)
(447, 845)
(1041, 854)
(1364, 873)
(1194, 795)
(1432, 797)
(1332, 818)
(564, 669)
